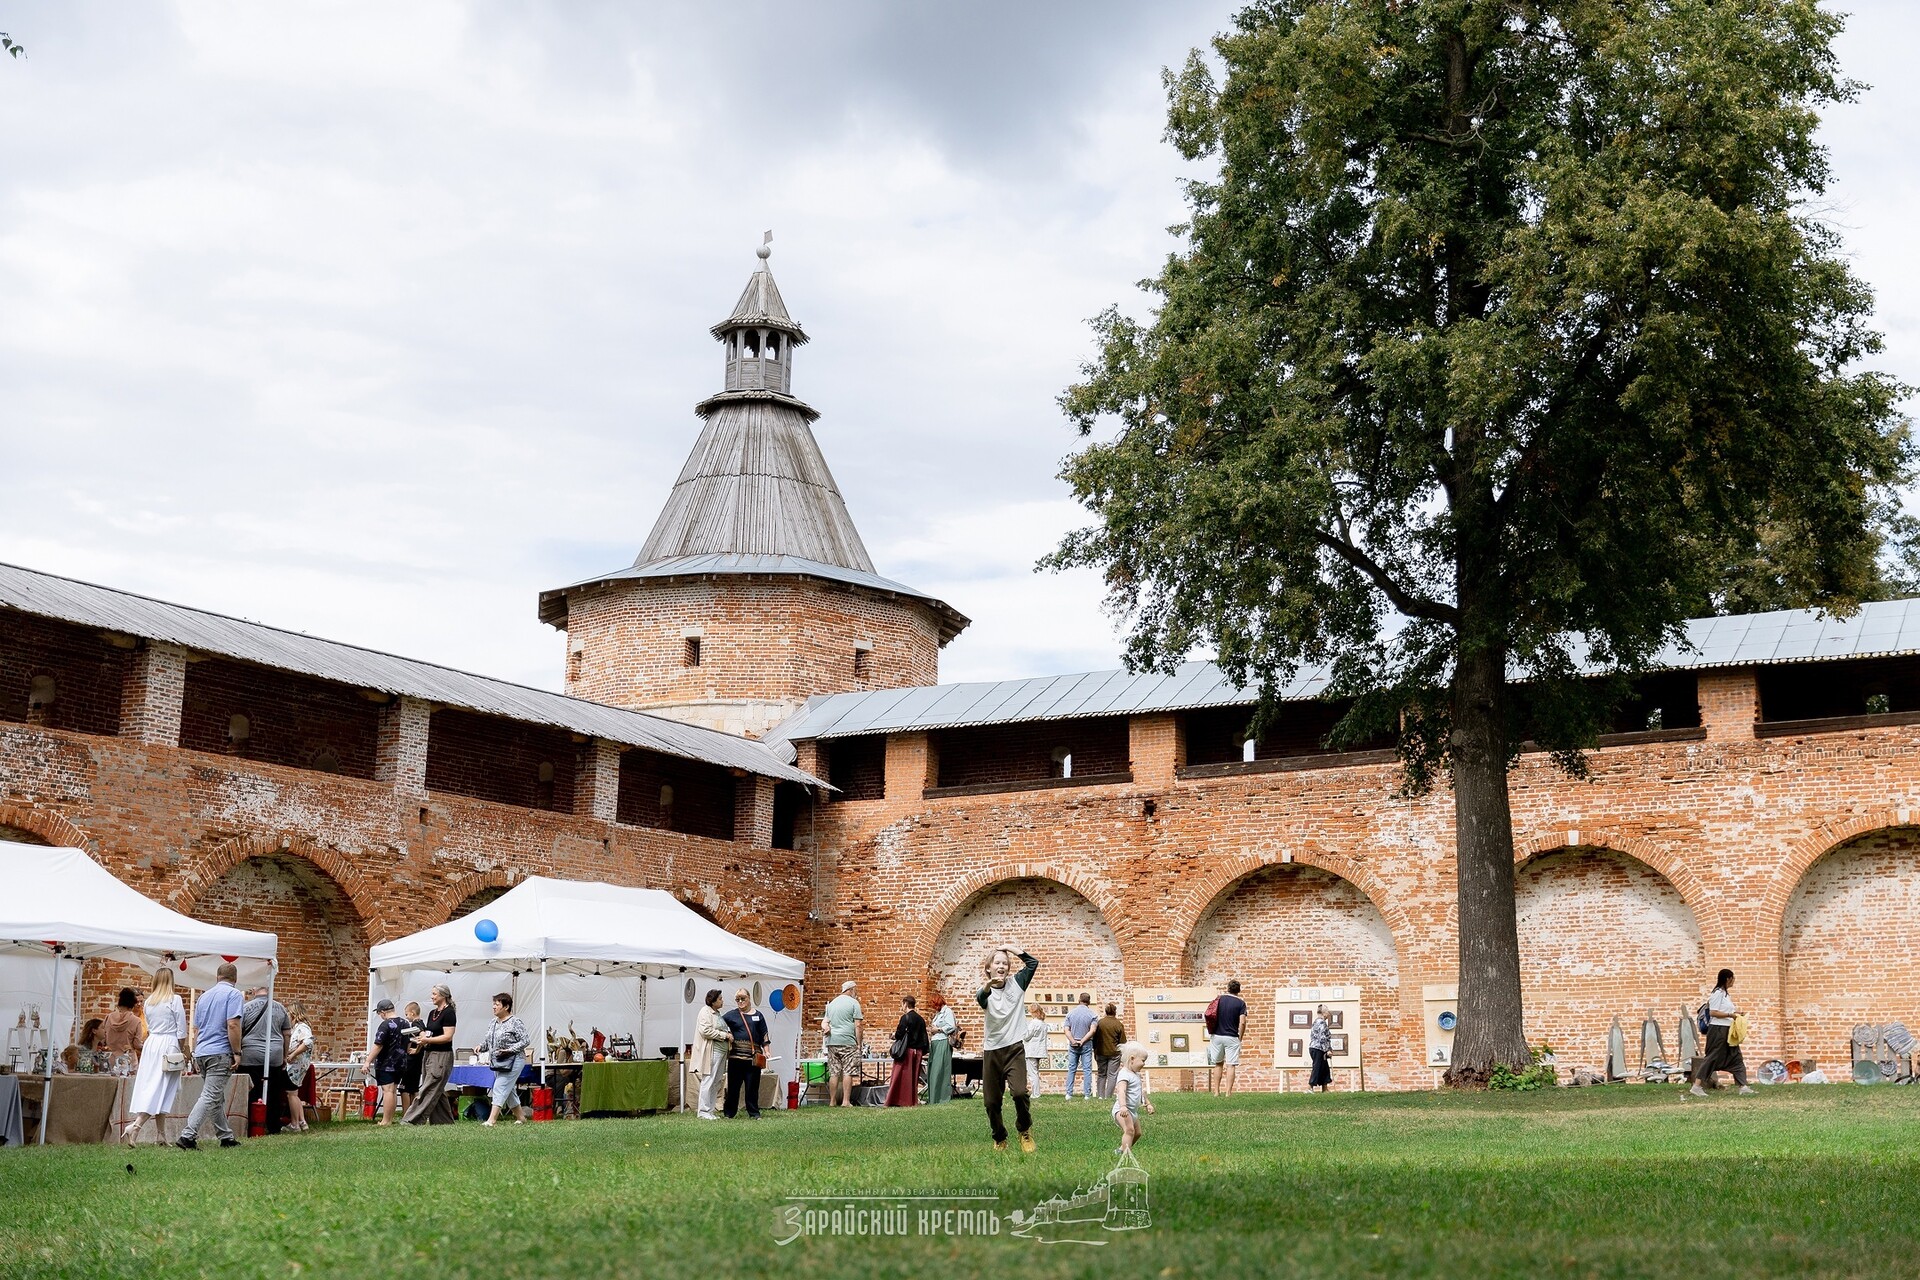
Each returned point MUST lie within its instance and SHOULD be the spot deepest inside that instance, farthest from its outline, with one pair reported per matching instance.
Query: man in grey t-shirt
(841, 1021)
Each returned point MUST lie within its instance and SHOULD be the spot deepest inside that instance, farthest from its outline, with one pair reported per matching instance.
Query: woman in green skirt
(940, 1056)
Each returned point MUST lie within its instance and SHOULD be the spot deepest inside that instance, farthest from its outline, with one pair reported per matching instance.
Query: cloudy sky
(374, 320)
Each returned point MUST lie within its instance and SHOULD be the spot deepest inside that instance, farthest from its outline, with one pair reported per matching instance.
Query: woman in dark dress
(903, 1090)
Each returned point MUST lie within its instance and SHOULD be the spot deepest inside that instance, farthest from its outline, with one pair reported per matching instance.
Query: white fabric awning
(585, 927)
(62, 902)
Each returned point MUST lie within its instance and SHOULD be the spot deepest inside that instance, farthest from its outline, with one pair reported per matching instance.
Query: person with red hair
(943, 1030)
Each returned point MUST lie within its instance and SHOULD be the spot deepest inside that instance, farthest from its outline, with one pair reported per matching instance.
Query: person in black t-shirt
(1223, 1050)
(389, 1056)
(433, 1104)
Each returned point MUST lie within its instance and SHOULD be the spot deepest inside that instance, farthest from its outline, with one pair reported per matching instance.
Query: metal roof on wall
(88, 605)
(1887, 628)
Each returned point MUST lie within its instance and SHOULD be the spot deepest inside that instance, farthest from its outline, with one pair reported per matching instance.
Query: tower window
(862, 662)
(693, 651)
(1062, 762)
(773, 346)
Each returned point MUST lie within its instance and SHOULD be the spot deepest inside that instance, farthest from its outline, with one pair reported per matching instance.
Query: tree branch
(1403, 600)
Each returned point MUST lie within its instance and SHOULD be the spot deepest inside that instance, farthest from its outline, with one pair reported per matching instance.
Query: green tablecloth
(623, 1086)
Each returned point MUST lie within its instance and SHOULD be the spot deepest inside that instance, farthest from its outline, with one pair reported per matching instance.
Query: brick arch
(206, 869)
(50, 826)
(1191, 908)
(978, 882)
(1810, 849)
(1676, 872)
(462, 887)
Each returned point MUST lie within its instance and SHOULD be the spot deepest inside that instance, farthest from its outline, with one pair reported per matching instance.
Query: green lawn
(1628, 1181)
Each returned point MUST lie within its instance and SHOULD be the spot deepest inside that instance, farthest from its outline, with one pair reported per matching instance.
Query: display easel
(1293, 1024)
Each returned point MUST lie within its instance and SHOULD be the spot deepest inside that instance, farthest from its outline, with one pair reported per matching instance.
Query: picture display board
(1053, 1011)
(1172, 1023)
(1440, 1003)
(1293, 1021)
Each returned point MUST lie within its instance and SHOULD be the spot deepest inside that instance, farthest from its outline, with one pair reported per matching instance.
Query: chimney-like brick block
(596, 789)
(400, 752)
(153, 694)
(1729, 704)
(1155, 745)
(753, 811)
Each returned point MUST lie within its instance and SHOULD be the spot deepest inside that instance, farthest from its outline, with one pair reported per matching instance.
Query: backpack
(1705, 1019)
(1212, 1016)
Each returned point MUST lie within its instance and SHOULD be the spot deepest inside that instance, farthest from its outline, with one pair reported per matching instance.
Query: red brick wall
(500, 760)
(1076, 948)
(323, 942)
(1603, 936)
(703, 795)
(775, 640)
(1851, 936)
(1297, 926)
(87, 673)
(1024, 752)
(292, 720)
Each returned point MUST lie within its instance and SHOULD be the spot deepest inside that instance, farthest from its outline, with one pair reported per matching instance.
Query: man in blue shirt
(216, 1055)
(1081, 1020)
(1223, 1050)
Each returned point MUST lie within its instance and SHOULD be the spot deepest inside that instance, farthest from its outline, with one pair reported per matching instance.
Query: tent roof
(63, 896)
(579, 926)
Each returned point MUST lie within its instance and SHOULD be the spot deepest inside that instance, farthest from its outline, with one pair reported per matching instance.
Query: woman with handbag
(746, 1054)
(909, 1048)
(162, 1062)
(299, 1069)
(710, 1041)
(504, 1048)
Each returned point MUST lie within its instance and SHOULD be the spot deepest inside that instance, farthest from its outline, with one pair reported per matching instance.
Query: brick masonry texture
(765, 646)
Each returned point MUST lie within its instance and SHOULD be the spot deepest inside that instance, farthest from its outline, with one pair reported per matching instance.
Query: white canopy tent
(571, 933)
(60, 907)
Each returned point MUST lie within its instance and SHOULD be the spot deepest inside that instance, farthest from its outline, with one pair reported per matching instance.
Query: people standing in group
(264, 1026)
(903, 1086)
(504, 1049)
(1223, 1050)
(1081, 1020)
(841, 1021)
(1109, 1035)
(941, 1032)
(433, 1104)
(1320, 1050)
(1036, 1049)
(156, 1085)
(216, 1056)
(121, 1031)
(1130, 1095)
(410, 1069)
(298, 1073)
(1720, 1055)
(390, 1042)
(746, 1054)
(1003, 1050)
(710, 1041)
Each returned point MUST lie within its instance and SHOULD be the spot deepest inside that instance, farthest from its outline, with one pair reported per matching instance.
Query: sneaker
(186, 1144)
(229, 1142)
(1026, 1143)
(1697, 1092)
(1744, 1090)
(999, 1144)
(707, 1115)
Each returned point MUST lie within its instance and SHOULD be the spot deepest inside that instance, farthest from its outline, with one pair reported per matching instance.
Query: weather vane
(766, 247)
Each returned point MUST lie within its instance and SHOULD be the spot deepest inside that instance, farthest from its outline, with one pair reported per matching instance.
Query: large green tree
(1504, 339)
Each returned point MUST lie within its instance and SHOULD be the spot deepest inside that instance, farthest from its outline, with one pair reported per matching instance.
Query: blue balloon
(486, 931)
(776, 1001)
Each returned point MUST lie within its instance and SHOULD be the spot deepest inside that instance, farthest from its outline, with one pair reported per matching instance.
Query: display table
(89, 1109)
(470, 1077)
(13, 1131)
(623, 1087)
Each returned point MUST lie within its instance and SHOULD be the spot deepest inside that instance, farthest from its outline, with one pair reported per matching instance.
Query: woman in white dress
(155, 1087)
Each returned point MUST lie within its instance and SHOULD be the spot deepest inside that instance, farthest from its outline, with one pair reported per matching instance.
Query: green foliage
(1540, 1074)
(1510, 319)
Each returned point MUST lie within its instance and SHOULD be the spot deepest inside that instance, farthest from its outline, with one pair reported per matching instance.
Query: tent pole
(541, 1044)
(53, 1016)
(266, 1055)
(685, 1057)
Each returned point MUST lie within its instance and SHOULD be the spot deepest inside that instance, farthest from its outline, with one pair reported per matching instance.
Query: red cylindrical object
(257, 1118)
(793, 1095)
(370, 1100)
(542, 1103)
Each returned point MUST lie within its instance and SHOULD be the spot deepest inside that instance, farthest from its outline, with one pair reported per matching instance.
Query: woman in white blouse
(162, 1060)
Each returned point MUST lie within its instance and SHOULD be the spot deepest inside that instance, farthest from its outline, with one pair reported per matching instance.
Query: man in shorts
(1223, 1051)
(841, 1021)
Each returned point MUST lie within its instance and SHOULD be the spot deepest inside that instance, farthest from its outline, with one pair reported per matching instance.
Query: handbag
(173, 1063)
(759, 1053)
(898, 1049)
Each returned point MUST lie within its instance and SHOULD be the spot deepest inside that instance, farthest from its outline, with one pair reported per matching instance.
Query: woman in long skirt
(1319, 1047)
(940, 1052)
(903, 1089)
(155, 1087)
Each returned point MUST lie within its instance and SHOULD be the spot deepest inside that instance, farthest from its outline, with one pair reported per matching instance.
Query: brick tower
(754, 590)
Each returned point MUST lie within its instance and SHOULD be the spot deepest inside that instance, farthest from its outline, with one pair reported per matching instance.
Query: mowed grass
(1627, 1181)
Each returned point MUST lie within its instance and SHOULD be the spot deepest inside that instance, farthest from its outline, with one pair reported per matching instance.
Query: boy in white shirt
(1003, 1052)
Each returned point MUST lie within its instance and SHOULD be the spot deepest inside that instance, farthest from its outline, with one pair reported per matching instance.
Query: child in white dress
(154, 1086)
(1130, 1095)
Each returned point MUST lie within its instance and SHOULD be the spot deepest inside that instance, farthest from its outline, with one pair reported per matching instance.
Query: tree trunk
(1490, 1030)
